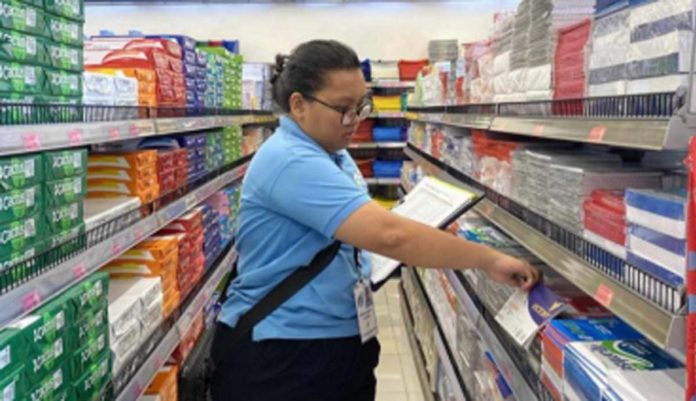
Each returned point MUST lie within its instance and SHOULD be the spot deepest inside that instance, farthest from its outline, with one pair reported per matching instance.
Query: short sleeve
(314, 191)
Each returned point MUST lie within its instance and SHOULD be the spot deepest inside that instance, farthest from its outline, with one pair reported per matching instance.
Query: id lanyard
(364, 303)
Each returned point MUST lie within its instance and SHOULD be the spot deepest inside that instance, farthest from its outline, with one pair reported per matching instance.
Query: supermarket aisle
(397, 379)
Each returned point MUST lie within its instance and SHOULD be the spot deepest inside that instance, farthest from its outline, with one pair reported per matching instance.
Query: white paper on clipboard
(432, 202)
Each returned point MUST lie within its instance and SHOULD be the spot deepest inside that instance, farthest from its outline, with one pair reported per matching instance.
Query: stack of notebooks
(196, 147)
(214, 151)
(569, 63)
(191, 257)
(605, 221)
(123, 174)
(232, 143)
(135, 311)
(608, 59)
(61, 350)
(212, 235)
(657, 234)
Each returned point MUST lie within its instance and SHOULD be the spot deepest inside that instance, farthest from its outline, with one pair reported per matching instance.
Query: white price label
(58, 379)
(31, 45)
(29, 228)
(78, 185)
(31, 17)
(58, 348)
(8, 393)
(29, 75)
(5, 357)
(30, 195)
(77, 160)
(29, 169)
(60, 320)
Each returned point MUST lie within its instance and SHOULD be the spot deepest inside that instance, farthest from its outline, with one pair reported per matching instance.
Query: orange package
(171, 300)
(126, 160)
(165, 384)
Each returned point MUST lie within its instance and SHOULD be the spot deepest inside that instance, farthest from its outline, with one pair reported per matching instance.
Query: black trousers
(294, 370)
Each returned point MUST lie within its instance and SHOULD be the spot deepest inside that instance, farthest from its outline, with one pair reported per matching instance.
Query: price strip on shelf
(114, 133)
(157, 362)
(597, 134)
(138, 234)
(80, 270)
(117, 247)
(538, 130)
(31, 141)
(75, 137)
(134, 130)
(604, 295)
(137, 390)
(31, 300)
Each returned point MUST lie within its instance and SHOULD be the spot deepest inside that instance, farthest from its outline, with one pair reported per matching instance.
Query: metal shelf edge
(653, 322)
(415, 348)
(28, 297)
(137, 385)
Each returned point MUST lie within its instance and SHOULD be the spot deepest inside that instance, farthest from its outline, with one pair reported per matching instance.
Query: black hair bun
(279, 67)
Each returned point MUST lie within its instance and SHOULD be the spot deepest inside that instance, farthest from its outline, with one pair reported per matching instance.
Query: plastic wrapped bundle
(661, 35)
(608, 69)
(441, 50)
(569, 66)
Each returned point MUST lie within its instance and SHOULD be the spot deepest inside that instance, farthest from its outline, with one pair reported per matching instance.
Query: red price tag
(597, 133)
(114, 133)
(538, 130)
(31, 141)
(75, 137)
(116, 248)
(138, 234)
(604, 295)
(134, 130)
(157, 362)
(31, 300)
(80, 270)
(137, 389)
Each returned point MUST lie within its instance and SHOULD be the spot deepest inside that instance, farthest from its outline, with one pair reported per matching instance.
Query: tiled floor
(397, 379)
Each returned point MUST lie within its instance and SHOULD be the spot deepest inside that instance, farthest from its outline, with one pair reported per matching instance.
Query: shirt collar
(293, 128)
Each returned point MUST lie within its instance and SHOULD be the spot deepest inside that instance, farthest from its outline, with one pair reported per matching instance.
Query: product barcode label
(5, 357)
(74, 58)
(30, 228)
(60, 320)
(78, 186)
(29, 75)
(74, 32)
(8, 393)
(31, 17)
(73, 211)
(58, 379)
(31, 193)
(73, 83)
(77, 160)
(101, 342)
(31, 45)
(29, 168)
(58, 348)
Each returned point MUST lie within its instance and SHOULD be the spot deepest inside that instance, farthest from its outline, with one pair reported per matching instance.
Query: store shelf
(418, 358)
(377, 145)
(100, 211)
(643, 122)
(388, 114)
(383, 181)
(389, 84)
(657, 323)
(520, 387)
(31, 138)
(157, 358)
(32, 294)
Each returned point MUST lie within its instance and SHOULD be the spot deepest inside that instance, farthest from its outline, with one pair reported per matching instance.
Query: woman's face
(344, 90)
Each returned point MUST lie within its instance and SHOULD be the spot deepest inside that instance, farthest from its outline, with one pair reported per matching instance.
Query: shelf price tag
(604, 295)
(138, 234)
(80, 270)
(114, 133)
(538, 130)
(75, 137)
(134, 130)
(116, 247)
(137, 389)
(31, 141)
(597, 133)
(31, 300)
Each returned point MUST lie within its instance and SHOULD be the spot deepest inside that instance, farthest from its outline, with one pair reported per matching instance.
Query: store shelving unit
(388, 84)
(377, 145)
(383, 181)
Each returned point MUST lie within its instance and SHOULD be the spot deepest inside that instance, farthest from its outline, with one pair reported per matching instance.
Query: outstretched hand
(512, 271)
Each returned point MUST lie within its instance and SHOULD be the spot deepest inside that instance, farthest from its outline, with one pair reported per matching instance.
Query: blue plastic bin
(387, 134)
(387, 168)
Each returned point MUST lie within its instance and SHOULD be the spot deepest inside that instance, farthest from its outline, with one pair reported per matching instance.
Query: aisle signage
(432, 202)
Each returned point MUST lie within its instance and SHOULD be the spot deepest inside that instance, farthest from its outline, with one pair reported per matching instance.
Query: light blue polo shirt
(294, 197)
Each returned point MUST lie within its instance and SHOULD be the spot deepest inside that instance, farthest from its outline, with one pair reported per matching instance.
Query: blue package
(660, 272)
(674, 245)
(667, 204)
(679, 22)
(366, 68)
(594, 329)
(579, 379)
(189, 57)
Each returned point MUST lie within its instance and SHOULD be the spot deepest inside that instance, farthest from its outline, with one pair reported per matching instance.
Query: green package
(22, 47)
(44, 326)
(20, 171)
(13, 351)
(21, 78)
(93, 351)
(13, 385)
(22, 264)
(92, 324)
(18, 235)
(64, 31)
(63, 218)
(94, 379)
(65, 191)
(65, 163)
(62, 109)
(17, 204)
(64, 243)
(52, 386)
(51, 357)
(63, 83)
(64, 57)
(89, 294)
(73, 9)
(16, 16)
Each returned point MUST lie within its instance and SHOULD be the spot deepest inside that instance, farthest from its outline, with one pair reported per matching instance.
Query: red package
(176, 65)
(168, 47)
(136, 59)
(165, 160)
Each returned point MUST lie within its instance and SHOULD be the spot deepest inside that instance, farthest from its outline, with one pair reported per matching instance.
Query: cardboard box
(65, 191)
(127, 160)
(64, 218)
(41, 364)
(63, 83)
(17, 204)
(71, 9)
(21, 171)
(165, 383)
(43, 327)
(22, 47)
(147, 291)
(13, 385)
(93, 381)
(13, 351)
(52, 386)
(22, 78)
(89, 294)
(64, 57)
(17, 236)
(90, 354)
(64, 31)
(91, 325)
(144, 175)
(20, 17)
(65, 163)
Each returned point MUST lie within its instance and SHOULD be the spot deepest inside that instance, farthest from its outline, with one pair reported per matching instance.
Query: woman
(301, 192)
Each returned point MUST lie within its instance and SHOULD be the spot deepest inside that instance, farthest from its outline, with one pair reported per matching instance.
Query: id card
(365, 306)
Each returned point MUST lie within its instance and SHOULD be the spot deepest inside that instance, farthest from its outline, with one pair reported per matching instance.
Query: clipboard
(441, 203)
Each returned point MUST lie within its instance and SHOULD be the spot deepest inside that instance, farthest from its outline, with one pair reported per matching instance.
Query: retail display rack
(637, 123)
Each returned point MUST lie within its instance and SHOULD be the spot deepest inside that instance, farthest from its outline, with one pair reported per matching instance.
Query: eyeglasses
(348, 114)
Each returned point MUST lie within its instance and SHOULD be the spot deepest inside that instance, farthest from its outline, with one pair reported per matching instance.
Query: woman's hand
(512, 271)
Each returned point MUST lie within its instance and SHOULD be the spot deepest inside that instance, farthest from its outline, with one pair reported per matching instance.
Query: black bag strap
(279, 294)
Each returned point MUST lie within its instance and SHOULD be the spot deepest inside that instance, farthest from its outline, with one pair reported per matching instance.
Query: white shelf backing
(659, 325)
(33, 138)
(638, 133)
(137, 385)
(29, 296)
(520, 388)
